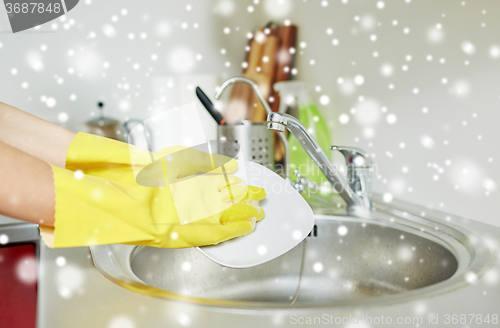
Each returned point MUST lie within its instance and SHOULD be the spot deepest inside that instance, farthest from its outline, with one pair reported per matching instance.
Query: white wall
(450, 151)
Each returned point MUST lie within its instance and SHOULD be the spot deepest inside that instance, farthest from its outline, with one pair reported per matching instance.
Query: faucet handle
(359, 172)
(354, 156)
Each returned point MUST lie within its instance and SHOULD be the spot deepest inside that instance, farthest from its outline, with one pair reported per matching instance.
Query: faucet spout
(251, 83)
(264, 103)
(279, 122)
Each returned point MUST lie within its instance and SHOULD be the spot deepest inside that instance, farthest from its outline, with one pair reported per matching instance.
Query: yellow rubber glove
(111, 159)
(94, 211)
(91, 210)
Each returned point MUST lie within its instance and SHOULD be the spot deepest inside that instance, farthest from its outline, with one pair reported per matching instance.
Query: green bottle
(295, 92)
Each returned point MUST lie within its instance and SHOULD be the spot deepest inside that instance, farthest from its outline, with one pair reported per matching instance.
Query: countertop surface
(7, 220)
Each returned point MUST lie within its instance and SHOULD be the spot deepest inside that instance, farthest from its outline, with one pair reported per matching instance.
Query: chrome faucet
(268, 111)
(356, 193)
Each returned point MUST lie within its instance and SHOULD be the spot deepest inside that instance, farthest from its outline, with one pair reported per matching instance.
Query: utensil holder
(255, 141)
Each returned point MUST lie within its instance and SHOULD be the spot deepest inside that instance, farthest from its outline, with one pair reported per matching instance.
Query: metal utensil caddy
(255, 141)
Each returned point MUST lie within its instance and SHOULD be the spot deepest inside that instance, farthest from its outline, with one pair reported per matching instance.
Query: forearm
(30, 134)
(26, 187)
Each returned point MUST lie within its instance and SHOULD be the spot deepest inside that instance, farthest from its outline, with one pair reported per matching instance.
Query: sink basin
(348, 259)
(391, 257)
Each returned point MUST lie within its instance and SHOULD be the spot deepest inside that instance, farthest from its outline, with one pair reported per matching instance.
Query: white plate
(288, 220)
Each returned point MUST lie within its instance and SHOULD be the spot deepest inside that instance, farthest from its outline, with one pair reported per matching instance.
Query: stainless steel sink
(391, 257)
(369, 260)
